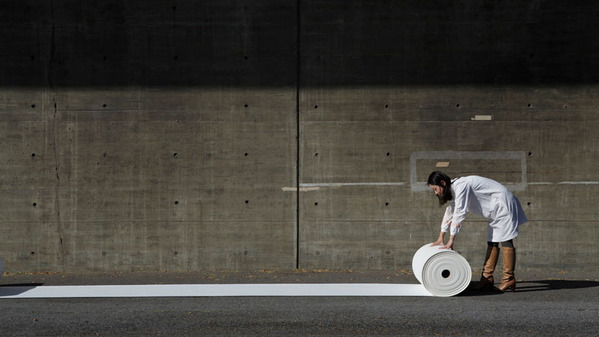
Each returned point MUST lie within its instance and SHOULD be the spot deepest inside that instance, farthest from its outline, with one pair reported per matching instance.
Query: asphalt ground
(544, 304)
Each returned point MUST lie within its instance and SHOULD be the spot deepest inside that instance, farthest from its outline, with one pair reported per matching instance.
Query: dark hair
(436, 178)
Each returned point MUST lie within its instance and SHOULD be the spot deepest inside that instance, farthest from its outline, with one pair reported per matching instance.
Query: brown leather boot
(486, 279)
(509, 264)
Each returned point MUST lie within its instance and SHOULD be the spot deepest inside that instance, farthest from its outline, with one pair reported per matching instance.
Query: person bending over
(487, 198)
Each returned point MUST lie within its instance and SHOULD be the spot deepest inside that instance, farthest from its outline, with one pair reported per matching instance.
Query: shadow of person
(540, 285)
(528, 286)
(473, 291)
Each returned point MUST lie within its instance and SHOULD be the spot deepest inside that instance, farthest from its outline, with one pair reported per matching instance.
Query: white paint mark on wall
(565, 183)
(482, 118)
(579, 183)
(307, 187)
(301, 189)
(317, 186)
(351, 184)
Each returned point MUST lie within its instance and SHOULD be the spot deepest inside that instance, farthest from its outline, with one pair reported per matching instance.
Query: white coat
(487, 198)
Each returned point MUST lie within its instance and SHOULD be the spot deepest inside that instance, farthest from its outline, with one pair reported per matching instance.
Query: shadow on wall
(256, 43)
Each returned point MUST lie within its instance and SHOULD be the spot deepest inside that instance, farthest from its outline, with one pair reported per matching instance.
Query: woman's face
(438, 190)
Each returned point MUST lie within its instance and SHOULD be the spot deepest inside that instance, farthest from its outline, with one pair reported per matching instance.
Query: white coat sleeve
(460, 206)
(447, 219)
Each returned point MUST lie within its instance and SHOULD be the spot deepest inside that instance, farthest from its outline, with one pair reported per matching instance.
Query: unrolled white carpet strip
(441, 272)
(215, 290)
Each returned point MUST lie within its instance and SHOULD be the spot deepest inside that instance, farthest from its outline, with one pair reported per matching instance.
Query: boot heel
(508, 285)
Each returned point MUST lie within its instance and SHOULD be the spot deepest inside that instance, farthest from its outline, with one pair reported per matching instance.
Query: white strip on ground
(214, 290)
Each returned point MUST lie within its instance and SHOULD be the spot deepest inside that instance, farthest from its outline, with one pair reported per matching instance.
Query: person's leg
(509, 265)
(508, 243)
(486, 279)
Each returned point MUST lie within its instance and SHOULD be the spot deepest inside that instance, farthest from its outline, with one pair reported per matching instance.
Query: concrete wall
(155, 135)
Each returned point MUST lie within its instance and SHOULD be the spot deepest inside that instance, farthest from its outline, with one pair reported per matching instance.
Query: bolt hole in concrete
(386, 106)
(247, 201)
(32, 253)
(316, 204)
(445, 273)
(530, 154)
(386, 204)
(103, 105)
(34, 204)
(316, 107)
(246, 154)
(388, 154)
(457, 105)
(175, 154)
(176, 202)
(529, 203)
(33, 106)
(529, 105)
(33, 154)
(246, 105)
(316, 154)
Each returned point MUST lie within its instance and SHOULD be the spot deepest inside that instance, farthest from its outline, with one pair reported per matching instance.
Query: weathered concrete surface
(148, 135)
(106, 188)
(382, 81)
(377, 225)
(543, 304)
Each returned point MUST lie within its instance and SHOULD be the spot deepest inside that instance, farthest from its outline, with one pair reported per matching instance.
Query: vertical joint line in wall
(52, 48)
(50, 79)
(297, 138)
(59, 229)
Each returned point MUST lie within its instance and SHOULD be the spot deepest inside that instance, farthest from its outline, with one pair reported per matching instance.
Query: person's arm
(445, 224)
(460, 206)
(440, 241)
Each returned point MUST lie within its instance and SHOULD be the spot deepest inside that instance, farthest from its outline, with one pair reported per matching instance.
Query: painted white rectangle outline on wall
(419, 186)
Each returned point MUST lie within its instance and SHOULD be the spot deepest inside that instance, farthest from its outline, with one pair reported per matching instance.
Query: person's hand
(449, 245)
(439, 242)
